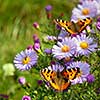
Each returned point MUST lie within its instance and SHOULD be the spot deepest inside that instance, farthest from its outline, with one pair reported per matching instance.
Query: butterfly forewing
(47, 74)
(71, 73)
(84, 23)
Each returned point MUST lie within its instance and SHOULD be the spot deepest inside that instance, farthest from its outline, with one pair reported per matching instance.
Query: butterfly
(59, 81)
(72, 27)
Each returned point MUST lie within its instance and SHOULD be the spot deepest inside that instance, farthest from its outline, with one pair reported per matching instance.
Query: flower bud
(36, 25)
(22, 80)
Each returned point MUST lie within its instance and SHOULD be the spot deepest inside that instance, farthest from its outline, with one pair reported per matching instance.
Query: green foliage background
(16, 30)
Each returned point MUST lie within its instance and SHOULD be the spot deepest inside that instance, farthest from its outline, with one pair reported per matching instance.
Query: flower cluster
(67, 52)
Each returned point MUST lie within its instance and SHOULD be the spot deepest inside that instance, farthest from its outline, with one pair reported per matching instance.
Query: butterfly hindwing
(47, 74)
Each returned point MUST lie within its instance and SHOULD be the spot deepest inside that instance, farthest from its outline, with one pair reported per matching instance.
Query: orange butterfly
(73, 27)
(59, 81)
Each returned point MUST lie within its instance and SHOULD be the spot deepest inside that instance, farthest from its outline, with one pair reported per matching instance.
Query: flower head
(85, 45)
(25, 59)
(86, 9)
(98, 25)
(90, 78)
(48, 51)
(48, 8)
(64, 49)
(26, 98)
(84, 71)
(22, 80)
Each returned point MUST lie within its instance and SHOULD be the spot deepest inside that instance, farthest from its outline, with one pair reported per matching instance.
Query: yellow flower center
(26, 60)
(85, 11)
(84, 45)
(65, 48)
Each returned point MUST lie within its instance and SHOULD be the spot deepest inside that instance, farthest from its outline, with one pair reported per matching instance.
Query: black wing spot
(84, 19)
(88, 17)
(66, 80)
(74, 69)
(48, 71)
(50, 76)
(78, 70)
(67, 76)
(69, 28)
(70, 74)
(44, 70)
(63, 21)
(47, 75)
(69, 70)
(53, 81)
(51, 72)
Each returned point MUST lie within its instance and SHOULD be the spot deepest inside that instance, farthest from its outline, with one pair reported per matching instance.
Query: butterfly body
(72, 27)
(59, 81)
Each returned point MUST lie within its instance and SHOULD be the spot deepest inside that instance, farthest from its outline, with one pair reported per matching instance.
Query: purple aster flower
(86, 9)
(48, 51)
(22, 80)
(85, 45)
(84, 71)
(90, 78)
(98, 25)
(64, 49)
(48, 8)
(25, 59)
(26, 97)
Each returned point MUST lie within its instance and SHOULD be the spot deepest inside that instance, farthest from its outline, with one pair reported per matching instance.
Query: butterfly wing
(68, 26)
(47, 74)
(71, 73)
(84, 23)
